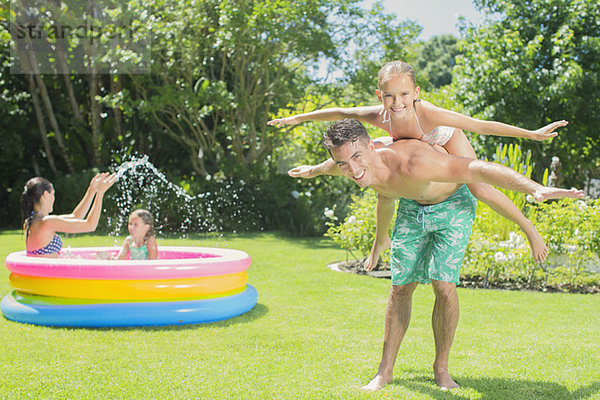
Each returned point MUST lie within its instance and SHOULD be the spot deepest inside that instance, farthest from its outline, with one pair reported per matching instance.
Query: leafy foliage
(357, 231)
(434, 61)
(570, 228)
(533, 62)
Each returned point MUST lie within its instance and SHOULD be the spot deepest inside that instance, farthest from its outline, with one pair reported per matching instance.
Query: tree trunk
(37, 109)
(41, 124)
(95, 117)
(116, 85)
(79, 121)
(40, 118)
(50, 112)
(64, 69)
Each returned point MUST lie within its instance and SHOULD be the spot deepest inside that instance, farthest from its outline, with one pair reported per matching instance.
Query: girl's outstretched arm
(364, 114)
(437, 116)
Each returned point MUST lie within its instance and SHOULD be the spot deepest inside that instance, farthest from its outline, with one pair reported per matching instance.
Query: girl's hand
(106, 181)
(547, 132)
(293, 120)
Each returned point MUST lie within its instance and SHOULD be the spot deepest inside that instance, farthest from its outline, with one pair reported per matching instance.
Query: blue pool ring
(127, 314)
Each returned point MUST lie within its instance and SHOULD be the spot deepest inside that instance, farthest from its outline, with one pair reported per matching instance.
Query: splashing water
(141, 185)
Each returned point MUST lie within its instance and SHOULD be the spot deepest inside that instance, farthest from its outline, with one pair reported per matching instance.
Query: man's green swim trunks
(429, 242)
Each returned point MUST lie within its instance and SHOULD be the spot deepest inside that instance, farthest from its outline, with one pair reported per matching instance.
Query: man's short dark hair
(344, 131)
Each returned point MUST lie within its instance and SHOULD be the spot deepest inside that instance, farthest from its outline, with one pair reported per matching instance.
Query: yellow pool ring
(145, 289)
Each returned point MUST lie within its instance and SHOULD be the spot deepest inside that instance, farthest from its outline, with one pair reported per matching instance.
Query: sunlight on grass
(313, 334)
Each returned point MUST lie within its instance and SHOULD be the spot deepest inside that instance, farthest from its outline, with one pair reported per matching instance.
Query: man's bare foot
(538, 247)
(376, 383)
(445, 381)
(547, 193)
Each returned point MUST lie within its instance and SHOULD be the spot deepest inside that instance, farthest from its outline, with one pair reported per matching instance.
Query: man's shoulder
(408, 155)
(399, 155)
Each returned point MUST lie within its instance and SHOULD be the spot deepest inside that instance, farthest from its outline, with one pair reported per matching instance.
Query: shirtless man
(433, 225)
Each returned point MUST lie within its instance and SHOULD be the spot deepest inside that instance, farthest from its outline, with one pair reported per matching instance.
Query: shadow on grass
(11, 232)
(497, 388)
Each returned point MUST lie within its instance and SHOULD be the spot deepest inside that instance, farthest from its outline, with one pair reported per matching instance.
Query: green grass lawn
(313, 334)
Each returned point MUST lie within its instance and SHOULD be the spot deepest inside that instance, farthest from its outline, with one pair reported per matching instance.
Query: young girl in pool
(403, 115)
(140, 244)
(41, 227)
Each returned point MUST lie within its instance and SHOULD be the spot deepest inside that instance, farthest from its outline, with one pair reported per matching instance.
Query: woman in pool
(41, 227)
(403, 115)
(140, 244)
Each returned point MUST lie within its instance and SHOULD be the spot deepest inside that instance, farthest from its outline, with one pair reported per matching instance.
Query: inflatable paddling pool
(186, 285)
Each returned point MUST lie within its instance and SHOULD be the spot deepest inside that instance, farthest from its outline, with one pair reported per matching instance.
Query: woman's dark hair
(32, 192)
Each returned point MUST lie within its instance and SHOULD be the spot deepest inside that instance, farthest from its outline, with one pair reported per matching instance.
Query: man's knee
(402, 291)
(444, 290)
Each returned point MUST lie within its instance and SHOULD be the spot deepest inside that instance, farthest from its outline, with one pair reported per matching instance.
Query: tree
(223, 68)
(532, 62)
(377, 39)
(434, 61)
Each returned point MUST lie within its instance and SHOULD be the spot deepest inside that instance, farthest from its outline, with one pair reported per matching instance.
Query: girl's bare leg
(503, 206)
(458, 145)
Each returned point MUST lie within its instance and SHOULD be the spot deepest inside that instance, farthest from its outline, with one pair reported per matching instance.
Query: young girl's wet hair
(33, 190)
(147, 219)
(395, 68)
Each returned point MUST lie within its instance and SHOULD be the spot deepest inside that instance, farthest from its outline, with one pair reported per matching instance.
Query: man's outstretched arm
(328, 167)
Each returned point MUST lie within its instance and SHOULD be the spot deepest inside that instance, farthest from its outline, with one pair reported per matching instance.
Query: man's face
(354, 160)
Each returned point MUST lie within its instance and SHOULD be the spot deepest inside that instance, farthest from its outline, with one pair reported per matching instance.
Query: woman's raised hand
(105, 181)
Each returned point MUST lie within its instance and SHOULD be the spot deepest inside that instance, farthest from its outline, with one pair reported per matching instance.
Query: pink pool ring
(173, 263)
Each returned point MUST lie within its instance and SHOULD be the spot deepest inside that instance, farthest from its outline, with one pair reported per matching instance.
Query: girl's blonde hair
(147, 219)
(395, 68)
